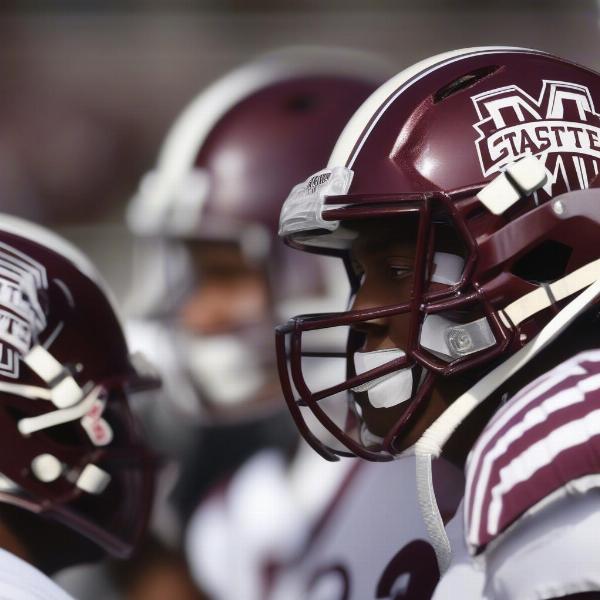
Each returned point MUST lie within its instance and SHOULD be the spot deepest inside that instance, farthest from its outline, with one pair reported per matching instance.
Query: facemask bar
(495, 329)
(289, 352)
(306, 396)
(466, 344)
(423, 303)
(297, 400)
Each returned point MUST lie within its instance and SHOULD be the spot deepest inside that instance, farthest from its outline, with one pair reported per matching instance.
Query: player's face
(230, 294)
(384, 254)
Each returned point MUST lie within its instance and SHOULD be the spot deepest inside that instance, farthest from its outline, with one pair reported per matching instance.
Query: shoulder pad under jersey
(543, 445)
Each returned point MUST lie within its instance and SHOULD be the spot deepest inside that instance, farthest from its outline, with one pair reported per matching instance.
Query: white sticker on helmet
(389, 390)
(98, 430)
(302, 209)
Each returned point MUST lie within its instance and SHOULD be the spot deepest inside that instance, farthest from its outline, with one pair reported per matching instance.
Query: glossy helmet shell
(427, 142)
(53, 300)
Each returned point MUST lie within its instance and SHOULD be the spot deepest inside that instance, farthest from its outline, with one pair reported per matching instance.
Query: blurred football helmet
(222, 174)
(488, 153)
(70, 448)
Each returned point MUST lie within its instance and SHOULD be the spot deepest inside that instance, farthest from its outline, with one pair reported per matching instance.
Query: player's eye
(399, 273)
(399, 268)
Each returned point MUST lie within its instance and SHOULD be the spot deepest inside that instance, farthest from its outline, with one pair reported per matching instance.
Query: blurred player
(208, 215)
(76, 481)
(461, 199)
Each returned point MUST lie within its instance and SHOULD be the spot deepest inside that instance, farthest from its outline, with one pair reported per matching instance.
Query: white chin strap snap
(388, 390)
(450, 340)
(93, 479)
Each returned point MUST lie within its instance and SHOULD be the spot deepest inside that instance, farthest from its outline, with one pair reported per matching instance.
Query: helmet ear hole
(544, 263)
(300, 103)
(463, 82)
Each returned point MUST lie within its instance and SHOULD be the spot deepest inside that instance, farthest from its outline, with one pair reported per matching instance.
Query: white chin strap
(433, 440)
(388, 390)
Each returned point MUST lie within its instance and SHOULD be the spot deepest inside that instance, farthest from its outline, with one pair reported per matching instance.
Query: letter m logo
(560, 127)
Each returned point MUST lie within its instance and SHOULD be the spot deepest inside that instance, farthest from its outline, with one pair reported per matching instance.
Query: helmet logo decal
(98, 430)
(562, 121)
(21, 315)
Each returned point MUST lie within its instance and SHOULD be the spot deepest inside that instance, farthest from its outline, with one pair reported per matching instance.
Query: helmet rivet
(460, 341)
(558, 207)
(46, 467)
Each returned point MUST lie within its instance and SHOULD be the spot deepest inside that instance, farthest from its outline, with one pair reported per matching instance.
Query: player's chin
(378, 422)
(409, 421)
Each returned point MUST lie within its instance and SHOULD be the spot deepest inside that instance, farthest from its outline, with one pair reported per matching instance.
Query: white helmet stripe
(366, 117)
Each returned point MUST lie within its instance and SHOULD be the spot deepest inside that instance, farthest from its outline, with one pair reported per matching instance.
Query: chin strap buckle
(548, 294)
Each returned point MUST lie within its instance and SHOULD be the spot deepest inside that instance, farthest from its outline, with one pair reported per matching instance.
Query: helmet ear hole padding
(545, 262)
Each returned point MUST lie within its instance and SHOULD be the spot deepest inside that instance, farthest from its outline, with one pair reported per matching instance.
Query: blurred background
(89, 88)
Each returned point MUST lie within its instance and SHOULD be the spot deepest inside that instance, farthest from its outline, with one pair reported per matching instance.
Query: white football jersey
(318, 531)
(260, 514)
(368, 542)
(21, 581)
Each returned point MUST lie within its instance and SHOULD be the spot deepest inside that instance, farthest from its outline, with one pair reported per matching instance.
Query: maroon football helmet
(230, 158)
(70, 447)
(222, 174)
(492, 147)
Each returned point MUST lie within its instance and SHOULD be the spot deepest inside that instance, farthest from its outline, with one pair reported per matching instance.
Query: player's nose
(367, 298)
